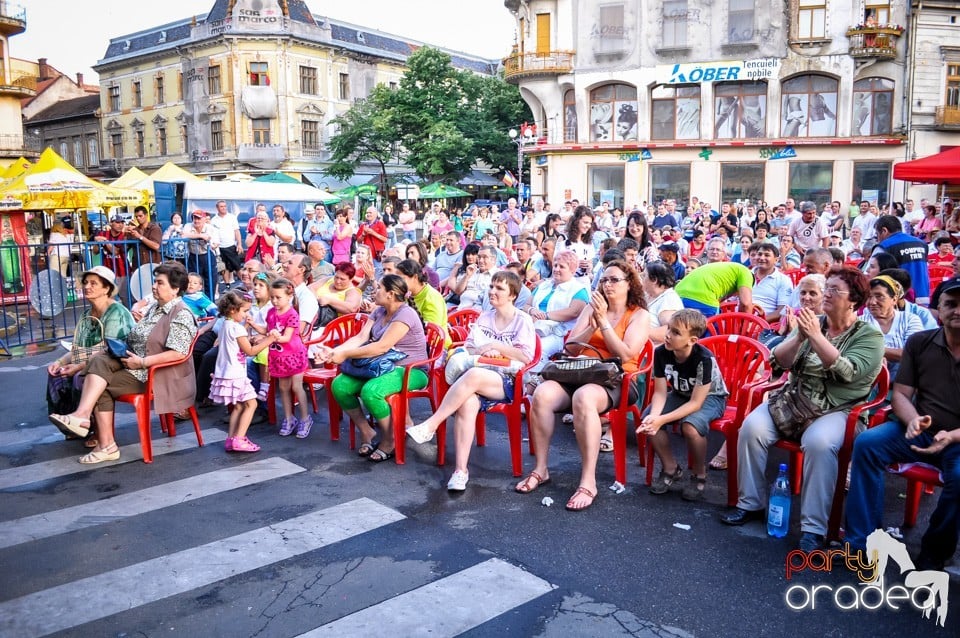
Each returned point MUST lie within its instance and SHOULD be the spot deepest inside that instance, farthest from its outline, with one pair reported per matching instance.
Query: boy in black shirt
(689, 389)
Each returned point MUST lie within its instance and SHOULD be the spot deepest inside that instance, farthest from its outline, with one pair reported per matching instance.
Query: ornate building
(729, 99)
(17, 82)
(251, 86)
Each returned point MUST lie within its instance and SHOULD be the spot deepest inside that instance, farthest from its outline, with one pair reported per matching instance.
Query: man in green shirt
(704, 288)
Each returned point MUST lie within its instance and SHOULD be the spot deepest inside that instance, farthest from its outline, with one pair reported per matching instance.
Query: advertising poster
(14, 257)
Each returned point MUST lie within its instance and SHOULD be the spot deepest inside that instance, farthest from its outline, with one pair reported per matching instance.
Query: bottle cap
(783, 467)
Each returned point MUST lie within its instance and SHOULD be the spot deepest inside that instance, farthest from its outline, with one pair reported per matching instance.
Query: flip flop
(379, 456)
(580, 490)
(524, 487)
(606, 443)
(366, 449)
(718, 463)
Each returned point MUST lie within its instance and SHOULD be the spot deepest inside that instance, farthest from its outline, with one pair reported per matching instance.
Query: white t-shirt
(667, 300)
(307, 306)
(225, 230)
(231, 361)
(808, 236)
(284, 228)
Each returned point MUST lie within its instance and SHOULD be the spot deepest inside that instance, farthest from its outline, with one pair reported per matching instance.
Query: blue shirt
(911, 254)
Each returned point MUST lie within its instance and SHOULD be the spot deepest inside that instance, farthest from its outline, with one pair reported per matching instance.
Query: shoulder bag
(372, 367)
(579, 370)
(82, 354)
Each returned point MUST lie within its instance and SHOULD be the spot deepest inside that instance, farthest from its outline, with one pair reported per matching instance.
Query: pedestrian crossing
(458, 601)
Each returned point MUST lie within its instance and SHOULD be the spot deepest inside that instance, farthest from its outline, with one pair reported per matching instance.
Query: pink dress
(286, 359)
(230, 383)
(340, 249)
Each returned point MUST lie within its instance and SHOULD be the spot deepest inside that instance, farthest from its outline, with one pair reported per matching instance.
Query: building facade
(72, 128)
(250, 87)
(16, 84)
(726, 100)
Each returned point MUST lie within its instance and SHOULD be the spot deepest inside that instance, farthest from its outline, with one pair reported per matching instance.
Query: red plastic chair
(460, 322)
(938, 274)
(743, 364)
(877, 396)
(141, 404)
(795, 275)
(731, 306)
(512, 414)
(400, 402)
(737, 323)
(618, 415)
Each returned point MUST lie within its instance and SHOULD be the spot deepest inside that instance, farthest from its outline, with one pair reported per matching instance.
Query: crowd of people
(845, 289)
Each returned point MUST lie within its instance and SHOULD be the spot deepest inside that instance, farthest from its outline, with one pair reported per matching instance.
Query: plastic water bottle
(778, 511)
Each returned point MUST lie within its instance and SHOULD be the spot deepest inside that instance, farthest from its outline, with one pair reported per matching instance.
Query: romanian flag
(508, 179)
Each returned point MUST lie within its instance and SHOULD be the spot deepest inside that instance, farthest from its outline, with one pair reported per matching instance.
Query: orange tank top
(596, 340)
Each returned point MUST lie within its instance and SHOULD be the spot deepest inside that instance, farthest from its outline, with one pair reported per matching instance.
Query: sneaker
(420, 433)
(303, 427)
(567, 419)
(228, 444)
(811, 542)
(243, 444)
(458, 482)
(665, 481)
(289, 425)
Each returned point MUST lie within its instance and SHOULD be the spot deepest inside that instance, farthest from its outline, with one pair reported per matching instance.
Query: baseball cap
(950, 285)
(837, 234)
(671, 246)
(116, 218)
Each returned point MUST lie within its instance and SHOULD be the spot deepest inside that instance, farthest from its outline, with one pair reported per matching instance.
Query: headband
(890, 283)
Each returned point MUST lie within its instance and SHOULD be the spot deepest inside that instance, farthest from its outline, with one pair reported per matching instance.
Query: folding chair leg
(143, 426)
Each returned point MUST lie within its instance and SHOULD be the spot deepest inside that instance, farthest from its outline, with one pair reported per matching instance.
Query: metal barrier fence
(42, 294)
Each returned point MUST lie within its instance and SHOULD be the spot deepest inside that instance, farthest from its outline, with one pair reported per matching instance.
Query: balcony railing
(874, 42)
(947, 117)
(530, 65)
(22, 84)
(13, 18)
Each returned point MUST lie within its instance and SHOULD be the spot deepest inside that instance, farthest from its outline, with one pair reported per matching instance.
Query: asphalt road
(305, 538)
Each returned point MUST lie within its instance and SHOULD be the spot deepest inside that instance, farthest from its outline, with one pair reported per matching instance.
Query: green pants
(373, 392)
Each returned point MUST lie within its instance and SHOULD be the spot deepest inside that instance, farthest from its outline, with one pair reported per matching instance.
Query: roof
(66, 109)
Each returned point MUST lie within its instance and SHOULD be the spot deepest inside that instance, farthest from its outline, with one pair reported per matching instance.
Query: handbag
(116, 348)
(572, 370)
(82, 354)
(372, 367)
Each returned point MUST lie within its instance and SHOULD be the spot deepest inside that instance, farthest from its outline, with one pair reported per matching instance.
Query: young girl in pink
(288, 358)
(230, 383)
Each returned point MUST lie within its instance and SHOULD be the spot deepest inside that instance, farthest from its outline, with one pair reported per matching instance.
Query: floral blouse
(182, 330)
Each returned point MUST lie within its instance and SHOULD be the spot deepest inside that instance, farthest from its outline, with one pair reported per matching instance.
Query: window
(161, 141)
(114, 93)
(180, 86)
(674, 24)
(953, 85)
(871, 181)
(310, 134)
(184, 138)
(261, 131)
(872, 106)
(811, 181)
(63, 149)
(258, 74)
(605, 184)
(344, 86)
(811, 19)
(809, 107)
(213, 80)
(569, 116)
(93, 152)
(543, 33)
(393, 86)
(308, 80)
(116, 145)
(740, 21)
(77, 152)
(676, 113)
(137, 94)
(741, 181)
(138, 142)
(613, 113)
(611, 39)
(740, 110)
(216, 135)
(669, 181)
(876, 12)
(158, 88)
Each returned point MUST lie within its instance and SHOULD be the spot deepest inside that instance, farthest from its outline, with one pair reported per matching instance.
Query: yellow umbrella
(170, 172)
(53, 183)
(16, 169)
(128, 179)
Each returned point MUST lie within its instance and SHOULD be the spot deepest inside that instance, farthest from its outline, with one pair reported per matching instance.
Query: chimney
(80, 80)
(44, 68)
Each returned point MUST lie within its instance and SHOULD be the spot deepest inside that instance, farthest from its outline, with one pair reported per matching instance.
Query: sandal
(693, 491)
(110, 453)
(719, 462)
(665, 481)
(606, 443)
(69, 424)
(574, 507)
(366, 449)
(379, 456)
(524, 486)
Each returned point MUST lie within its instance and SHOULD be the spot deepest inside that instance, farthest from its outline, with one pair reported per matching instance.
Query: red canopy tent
(942, 168)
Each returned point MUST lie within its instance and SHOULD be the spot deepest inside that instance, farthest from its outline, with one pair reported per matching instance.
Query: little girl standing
(288, 358)
(258, 321)
(230, 383)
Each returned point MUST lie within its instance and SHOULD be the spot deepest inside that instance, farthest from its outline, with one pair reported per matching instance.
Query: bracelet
(605, 328)
(143, 363)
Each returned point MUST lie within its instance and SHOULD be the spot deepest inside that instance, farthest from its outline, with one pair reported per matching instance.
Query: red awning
(942, 168)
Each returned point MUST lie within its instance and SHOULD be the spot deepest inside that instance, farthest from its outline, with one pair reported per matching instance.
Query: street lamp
(526, 135)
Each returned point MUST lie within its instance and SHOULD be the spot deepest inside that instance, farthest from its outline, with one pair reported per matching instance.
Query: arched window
(613, 113)
(569, 116)
(740, 110)
(676, 112)
(872, 106)
(809, 107)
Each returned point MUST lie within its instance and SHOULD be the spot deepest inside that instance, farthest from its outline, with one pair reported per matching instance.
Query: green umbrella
(278, 177)
(512, 190)
(442, 191)
(363, 191)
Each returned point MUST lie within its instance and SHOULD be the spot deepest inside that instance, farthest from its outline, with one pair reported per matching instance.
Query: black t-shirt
(700, 368)
(928, 366)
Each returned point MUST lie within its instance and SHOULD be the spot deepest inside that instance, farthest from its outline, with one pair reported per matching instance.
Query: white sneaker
(567, 419)
(420, 433)
(458, 482)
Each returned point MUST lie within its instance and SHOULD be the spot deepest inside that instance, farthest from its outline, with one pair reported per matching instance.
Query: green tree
(365, 133)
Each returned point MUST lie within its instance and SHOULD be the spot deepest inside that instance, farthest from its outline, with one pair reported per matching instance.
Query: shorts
(712, 409)
(613, 394)
(231, 259)
(508, 392)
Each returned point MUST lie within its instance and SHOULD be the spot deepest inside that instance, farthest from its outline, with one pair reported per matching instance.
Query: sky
(73, 35)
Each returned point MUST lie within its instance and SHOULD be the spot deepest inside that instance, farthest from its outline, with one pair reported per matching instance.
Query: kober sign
(731, 71)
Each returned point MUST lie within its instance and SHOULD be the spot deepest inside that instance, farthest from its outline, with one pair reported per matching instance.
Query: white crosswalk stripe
(26, 474)
(123, 506)
(449, 606)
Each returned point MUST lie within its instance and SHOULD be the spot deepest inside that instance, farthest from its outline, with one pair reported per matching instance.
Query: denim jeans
(876, 448)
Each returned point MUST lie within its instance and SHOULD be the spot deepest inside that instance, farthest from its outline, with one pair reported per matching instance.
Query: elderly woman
(504, 333)
(482, 223)
(419, 253)
(557, 302)
(616, 323)
(393, 325)
(658, 281)
(105, 319)
(883, 313)
(835, 359)
(261, 240)
(164, 335)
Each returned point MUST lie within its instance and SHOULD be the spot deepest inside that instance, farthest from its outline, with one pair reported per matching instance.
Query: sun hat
(103, 273)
